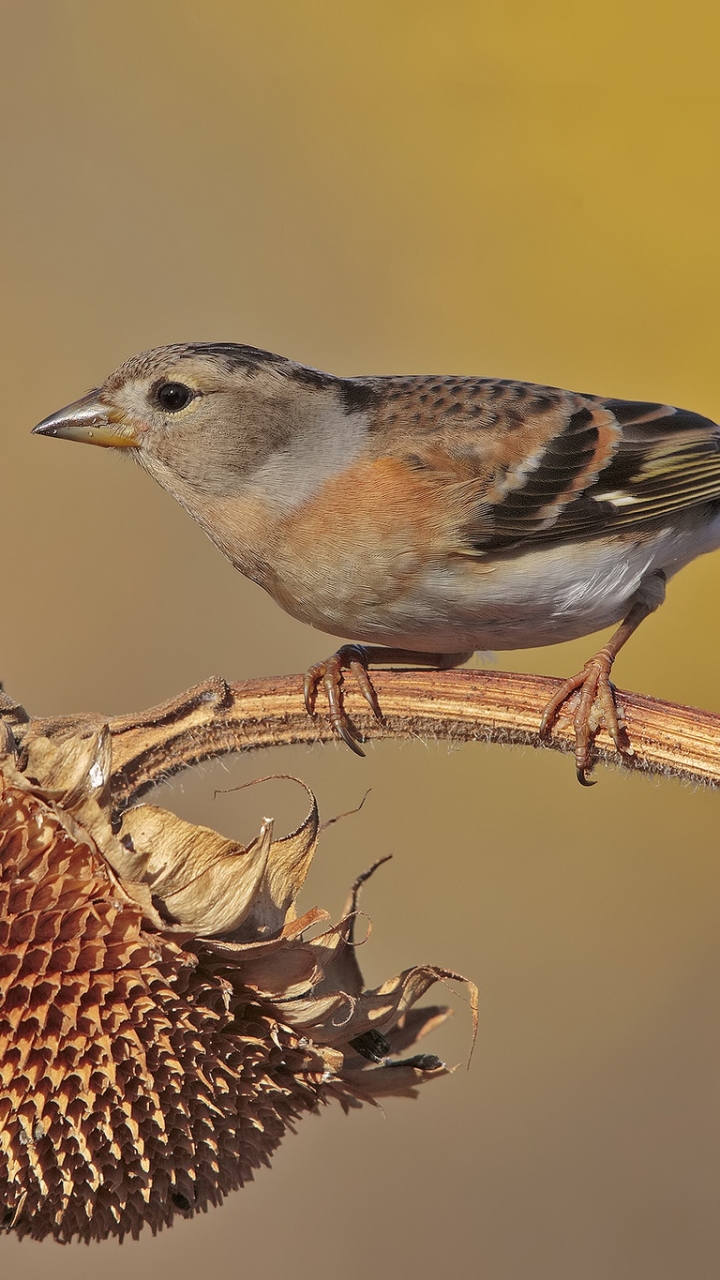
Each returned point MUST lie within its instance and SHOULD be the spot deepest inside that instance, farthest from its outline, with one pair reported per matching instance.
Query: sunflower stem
(215, 719)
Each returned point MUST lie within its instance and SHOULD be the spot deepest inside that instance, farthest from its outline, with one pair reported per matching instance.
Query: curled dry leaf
(164, 1017)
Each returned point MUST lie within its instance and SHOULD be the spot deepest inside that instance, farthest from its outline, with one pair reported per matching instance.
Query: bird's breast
(373, 557)
(342, 560)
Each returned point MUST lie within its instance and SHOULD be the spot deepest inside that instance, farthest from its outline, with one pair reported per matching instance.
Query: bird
(423, 517)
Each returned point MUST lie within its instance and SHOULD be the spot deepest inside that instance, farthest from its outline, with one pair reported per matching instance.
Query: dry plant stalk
(217, 718)
(165, 1015)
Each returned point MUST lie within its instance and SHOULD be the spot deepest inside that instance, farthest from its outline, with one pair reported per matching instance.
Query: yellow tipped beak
(89, 421)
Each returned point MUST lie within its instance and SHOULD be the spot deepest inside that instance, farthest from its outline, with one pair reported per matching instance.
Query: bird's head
(201, 414)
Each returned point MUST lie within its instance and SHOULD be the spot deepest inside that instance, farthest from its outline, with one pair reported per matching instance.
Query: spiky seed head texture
(164, 1018)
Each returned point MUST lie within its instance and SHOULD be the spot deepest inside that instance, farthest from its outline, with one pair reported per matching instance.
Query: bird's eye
(173, 396)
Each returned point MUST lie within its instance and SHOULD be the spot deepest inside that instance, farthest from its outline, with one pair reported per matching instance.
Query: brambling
(432, 516)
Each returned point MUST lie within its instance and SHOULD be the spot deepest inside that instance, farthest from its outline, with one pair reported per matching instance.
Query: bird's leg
(356, 659)
(596, 703)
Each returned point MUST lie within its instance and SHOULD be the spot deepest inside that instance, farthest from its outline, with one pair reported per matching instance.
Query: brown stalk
(217, 718)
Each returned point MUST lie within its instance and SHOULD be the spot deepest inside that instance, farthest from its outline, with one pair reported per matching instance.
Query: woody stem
(216, 719)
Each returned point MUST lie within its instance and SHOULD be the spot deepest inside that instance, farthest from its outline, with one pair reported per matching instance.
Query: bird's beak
(89, 421)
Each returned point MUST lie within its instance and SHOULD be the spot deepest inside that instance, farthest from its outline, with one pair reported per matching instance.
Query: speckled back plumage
(541, 462)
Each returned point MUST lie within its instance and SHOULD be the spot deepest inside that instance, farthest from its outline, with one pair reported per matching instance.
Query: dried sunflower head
(164, 1016)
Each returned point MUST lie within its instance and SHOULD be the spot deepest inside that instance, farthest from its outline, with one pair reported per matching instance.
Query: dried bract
(164, 1016)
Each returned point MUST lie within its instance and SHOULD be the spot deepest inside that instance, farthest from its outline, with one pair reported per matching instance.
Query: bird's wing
(528, 463)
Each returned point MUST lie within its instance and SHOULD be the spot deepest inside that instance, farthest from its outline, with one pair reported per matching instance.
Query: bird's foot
(596, 705)
(329, 674)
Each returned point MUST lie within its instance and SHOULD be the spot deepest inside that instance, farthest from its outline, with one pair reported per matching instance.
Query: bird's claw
(329, 674)
(596, 706)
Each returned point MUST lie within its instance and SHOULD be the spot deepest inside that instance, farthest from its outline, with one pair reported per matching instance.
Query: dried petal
(210, 885)
(202, 882)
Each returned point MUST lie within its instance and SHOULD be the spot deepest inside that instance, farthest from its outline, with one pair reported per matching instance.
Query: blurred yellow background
(508, 188)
